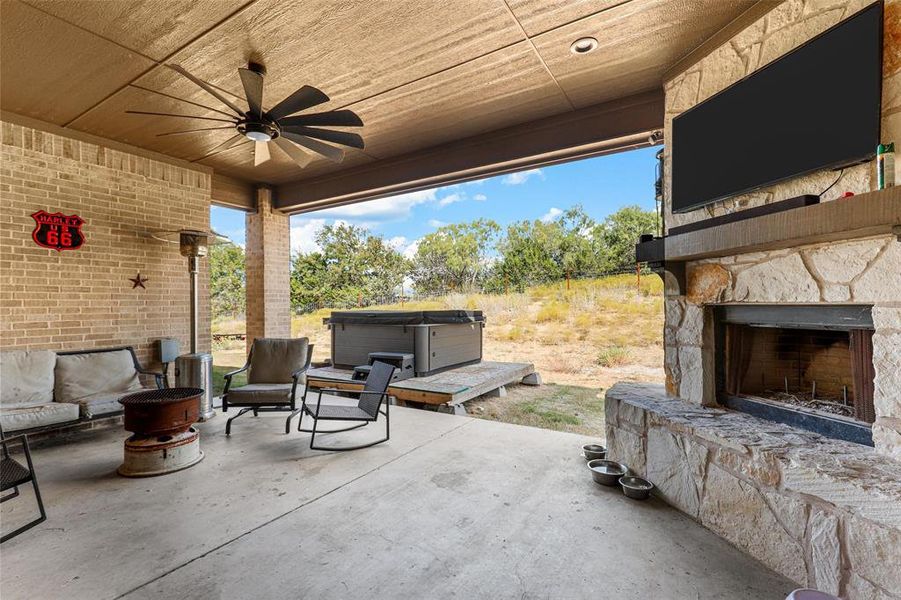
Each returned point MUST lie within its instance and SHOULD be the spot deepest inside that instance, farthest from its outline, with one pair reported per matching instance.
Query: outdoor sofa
(43, 389)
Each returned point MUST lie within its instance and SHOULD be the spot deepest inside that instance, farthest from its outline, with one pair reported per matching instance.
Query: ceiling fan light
(258, 136)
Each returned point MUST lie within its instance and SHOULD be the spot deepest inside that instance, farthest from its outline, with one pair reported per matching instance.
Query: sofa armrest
(157, 376)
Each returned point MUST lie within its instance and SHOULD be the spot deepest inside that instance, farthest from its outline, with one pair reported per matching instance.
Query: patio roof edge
(600, 129)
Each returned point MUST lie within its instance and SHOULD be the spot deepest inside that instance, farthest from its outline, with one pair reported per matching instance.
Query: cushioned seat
(96, 380)
(16, 418)
(26, 391)
(276, 377)
(103, 403)
(261, 393)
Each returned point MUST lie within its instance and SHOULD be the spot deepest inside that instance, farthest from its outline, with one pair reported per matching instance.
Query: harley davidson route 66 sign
(57, 231)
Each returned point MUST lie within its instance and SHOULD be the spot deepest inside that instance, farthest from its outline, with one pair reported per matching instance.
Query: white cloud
(436, 223)
(551, 215)
(447, 200)
(391, 208)
(480, 197)
(303, 235)
(411, 249)
(522, 177)
(398, 242)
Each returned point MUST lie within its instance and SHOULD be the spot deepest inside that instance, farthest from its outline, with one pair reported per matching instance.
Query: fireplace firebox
(806, 366)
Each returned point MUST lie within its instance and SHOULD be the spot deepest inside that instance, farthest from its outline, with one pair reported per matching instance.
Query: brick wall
(83, 298)
(268, 263)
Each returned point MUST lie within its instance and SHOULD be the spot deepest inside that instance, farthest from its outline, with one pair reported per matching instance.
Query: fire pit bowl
(636, 487)
(607, 472)
(156, 413)
(594, 451)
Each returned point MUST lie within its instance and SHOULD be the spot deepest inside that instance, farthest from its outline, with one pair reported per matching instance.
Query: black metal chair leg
(288, 420)
(228, 424)
(11, 495)
(346, 448)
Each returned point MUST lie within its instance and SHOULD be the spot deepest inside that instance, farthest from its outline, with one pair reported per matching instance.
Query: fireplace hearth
(806, 366)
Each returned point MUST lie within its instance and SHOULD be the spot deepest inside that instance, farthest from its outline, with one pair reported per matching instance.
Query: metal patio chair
(13, 474)
(275, 368)
(367, 408)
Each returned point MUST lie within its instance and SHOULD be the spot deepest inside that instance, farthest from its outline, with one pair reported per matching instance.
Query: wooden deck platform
(453, 387)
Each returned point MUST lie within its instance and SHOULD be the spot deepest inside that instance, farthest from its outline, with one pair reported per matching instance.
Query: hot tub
(439, 339)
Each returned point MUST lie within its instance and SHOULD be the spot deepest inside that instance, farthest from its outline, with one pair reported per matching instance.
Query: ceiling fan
(280, 124)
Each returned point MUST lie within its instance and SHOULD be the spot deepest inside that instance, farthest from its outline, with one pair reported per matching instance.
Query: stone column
(268, 267)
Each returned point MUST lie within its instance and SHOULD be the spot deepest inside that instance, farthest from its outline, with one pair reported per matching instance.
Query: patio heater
(194, 370)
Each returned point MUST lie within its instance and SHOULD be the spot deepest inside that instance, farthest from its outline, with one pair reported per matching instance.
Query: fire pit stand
(164, 439)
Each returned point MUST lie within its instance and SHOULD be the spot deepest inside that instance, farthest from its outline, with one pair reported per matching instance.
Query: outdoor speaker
(167, 349)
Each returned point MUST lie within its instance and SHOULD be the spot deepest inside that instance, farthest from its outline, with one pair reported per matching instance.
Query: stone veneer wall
(824, 513)
(861, 271)
(788, 25)
(83, 298)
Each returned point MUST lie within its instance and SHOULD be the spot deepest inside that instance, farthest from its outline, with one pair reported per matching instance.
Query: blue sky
(601, 185)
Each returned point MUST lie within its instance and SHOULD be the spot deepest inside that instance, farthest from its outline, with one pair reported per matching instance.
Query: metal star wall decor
(138, 281)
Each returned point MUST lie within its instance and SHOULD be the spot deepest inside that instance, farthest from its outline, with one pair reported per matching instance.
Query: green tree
(227, 281)
(540, 251)
(619, 233)
(454, 257)
(352, 265)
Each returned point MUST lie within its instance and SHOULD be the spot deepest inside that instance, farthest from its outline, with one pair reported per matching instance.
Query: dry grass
(595, 333)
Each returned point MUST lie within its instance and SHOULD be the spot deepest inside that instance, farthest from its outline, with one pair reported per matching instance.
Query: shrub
(613, 356)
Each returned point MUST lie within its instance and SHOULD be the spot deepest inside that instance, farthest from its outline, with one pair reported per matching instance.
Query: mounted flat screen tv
(817, 107)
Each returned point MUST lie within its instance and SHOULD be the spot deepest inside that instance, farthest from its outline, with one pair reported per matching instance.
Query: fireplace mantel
(864, 215)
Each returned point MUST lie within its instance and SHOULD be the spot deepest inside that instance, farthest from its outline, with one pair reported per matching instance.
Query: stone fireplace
(779, 425)
(807, 366)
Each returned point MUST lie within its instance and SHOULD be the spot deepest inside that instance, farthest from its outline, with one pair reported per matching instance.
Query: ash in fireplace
(806, 400)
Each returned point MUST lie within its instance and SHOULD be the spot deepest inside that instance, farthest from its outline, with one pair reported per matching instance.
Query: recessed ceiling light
(583, 45)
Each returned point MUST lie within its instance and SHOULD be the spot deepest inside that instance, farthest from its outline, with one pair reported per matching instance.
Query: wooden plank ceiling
(419, 73)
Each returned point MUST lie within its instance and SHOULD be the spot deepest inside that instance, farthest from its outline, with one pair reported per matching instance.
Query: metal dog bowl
(607, 472)
(594, 451)
(636, 487)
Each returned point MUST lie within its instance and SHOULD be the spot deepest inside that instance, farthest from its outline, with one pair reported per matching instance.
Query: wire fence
(399, 299)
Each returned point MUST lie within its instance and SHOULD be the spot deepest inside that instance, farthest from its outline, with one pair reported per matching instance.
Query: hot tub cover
(404, 317)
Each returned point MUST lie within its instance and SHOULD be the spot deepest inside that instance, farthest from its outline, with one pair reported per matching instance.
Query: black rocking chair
(275, 367)
(366, 409)
(13, 474)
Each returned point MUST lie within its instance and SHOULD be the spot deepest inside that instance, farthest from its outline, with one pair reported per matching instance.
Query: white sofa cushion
(26, 417)
(103, 403)
(81, 375)
(26, 377)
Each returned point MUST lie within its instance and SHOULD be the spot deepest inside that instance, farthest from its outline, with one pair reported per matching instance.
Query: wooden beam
(733, 28)
(600, 129)
(233, 193)
(864, 215)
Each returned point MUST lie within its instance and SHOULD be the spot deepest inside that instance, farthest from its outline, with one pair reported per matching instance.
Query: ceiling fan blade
(305, 97)
(192, 131)
(208, 88)
(330, 152)
(227, 143)
(260, 153)
(253, 90)
(144, 112)
(341, 118)
(176, 98)
(297, 155)
(339, 137)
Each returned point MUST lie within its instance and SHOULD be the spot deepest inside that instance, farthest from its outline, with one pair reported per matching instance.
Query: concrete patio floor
(451, 507)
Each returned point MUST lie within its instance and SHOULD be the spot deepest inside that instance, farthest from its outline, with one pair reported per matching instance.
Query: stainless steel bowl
(607, 472)
(594, 451)
(636, 487)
